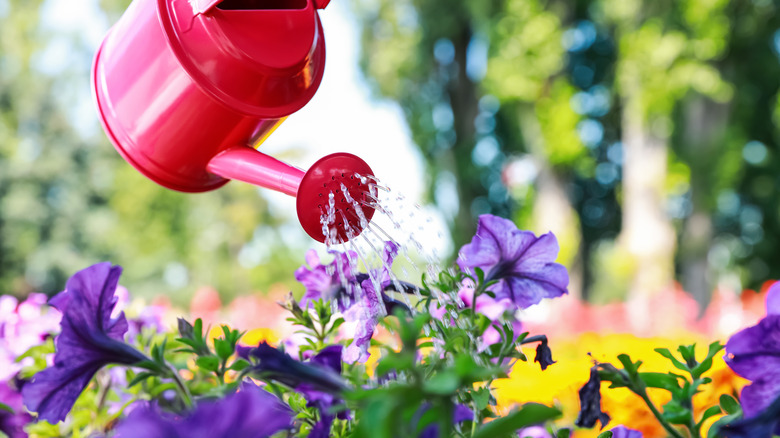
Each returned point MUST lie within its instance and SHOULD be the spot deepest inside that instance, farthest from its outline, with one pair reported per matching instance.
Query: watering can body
(187, 89)
(178, 82)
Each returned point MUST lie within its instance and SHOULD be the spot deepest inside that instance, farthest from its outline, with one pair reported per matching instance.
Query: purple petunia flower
(328, 358)
(277, 365)
(23, 325)
(754, 353)
(355, 294)
(334, 281)
(249, 413)
(494, 309)
(12, 423)
(523, 264)
(89, 340)
(624, 432)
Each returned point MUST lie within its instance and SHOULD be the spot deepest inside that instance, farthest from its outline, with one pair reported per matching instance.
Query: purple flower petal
(523, 264)
(248, 413)
(773, 300)
(279, 366)
(624, 432)
(90, 339)
(760, 394)
(755, 351)
(329, 357)
(534, 432)
(12, 424)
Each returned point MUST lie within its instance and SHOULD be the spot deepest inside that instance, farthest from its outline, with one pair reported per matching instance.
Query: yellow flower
(560, 383)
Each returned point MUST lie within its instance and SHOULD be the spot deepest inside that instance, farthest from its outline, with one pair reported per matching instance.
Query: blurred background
(643, 133)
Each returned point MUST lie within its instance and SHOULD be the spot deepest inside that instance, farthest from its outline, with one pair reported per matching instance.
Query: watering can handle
(203, 6)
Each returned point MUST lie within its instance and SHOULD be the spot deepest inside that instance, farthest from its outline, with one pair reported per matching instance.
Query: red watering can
(187, 89)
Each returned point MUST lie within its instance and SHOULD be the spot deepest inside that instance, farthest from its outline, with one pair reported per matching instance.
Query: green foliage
(679, 410)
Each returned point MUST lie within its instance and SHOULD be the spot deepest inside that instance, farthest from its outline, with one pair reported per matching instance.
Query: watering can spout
(333, 198)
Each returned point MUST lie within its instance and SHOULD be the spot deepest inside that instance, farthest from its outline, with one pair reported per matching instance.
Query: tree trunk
(464, 101)
(647, 234)
(552, 210)
(705, 123)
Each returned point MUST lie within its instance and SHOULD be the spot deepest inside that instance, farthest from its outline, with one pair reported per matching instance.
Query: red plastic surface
(324, 177)
(176, 87)
(246, 164)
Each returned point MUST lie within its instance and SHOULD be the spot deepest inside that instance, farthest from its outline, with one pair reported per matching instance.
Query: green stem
(182, 387)
(669, 428)
(103, 395)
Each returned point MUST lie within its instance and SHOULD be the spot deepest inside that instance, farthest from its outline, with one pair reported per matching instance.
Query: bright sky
(342, 117)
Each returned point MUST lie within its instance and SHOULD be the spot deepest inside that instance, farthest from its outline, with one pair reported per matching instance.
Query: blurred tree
(421, 53)
(665, 50)
(67, 199)
(454, 69)
(596, 113)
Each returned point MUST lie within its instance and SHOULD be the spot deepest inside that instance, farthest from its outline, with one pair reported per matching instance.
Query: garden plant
(373, 356)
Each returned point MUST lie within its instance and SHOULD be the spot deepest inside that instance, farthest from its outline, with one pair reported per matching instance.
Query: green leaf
(481, 397)
(688, 353)
(630, 367)
(464, 364)
(661, 380)
(606, 434)
(676, 413)
(722, 421)
(223, 348)
(208, 363)
(529, 414)
(397, 362)
(730, 405)
(706, 364)
(6, 408)
(149, 365)
(563, 433)
(140, 377)
(710, 412)
(443, 383)
(197, 332)
(239, 364)
(668, 354)
(37, 351)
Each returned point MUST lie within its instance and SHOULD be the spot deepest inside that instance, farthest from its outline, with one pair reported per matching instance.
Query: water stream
(396, 220)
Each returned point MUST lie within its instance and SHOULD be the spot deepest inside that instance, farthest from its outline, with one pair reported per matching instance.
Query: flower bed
(376, 356)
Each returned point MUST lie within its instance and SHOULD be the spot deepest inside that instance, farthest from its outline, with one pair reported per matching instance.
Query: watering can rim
(176, 41)
(204, 6)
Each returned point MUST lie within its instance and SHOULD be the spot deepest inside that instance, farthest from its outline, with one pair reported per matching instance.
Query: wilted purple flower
(249, 413)
(89, 340)
(523, 264)
(754, 353)
(543, 355)
(12, 423)
(624, 432)
(590, 402)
